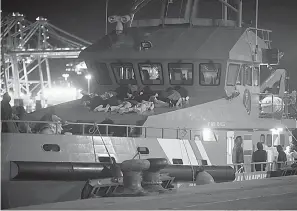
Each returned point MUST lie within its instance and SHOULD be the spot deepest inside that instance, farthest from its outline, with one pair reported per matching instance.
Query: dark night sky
(86, 19)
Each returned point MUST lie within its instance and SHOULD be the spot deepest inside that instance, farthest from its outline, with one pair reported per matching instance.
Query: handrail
(190, 132)
(287, 101)
(264, 166)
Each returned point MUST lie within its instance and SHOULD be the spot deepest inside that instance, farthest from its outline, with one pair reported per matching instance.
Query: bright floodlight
(207, 133)
(88, 76)
(65, 76)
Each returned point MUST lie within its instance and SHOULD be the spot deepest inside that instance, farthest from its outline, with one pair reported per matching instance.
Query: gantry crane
(27, 46)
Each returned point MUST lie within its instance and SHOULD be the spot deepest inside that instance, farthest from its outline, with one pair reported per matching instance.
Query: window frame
(97, 73)
(246, 66)
(269, 140)
(140, 74)
(237, 75)
(258, 78)
(282, 139)
(220, 74)
(118, 80)
(176, 84)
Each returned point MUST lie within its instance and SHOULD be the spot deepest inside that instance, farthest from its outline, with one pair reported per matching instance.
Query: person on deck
(7, 114)
(258, 156)
(282, 157)
(22, 126)
(237, 154)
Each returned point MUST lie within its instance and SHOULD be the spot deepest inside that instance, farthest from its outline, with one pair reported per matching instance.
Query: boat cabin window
(151, 73)
(180, 73)
(248, 80)
(269, 140)
(124, 73)
(210, 74)
(256, 76)
(275, 140)
(233, 76)
(103, 74)
(282, 140)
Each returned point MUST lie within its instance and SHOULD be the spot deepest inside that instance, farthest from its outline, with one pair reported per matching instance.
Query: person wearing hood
(6, 110)
(6, 114)
(259, 156)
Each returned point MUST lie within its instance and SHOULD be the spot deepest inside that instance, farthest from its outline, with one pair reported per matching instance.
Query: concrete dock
(273, 193)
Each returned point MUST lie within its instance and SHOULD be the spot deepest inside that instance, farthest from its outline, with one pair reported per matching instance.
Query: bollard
(132, 176)
(203, 177)
(151, 177)
(116, 172)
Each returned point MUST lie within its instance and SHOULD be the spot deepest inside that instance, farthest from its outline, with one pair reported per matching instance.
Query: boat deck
(273, 193)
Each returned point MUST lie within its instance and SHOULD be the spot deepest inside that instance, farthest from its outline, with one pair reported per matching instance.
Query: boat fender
(203, 177)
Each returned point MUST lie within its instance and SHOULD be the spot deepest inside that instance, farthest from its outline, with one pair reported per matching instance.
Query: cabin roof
(169, 42)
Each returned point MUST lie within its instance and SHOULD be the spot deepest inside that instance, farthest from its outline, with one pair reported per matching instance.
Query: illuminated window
(262, 138)
(233, 75)
(151, 73)
(210, 74)
(102, 74)
(209, 135)
(256, 76)
(180, 73)
(248, 80)
(275, 140)
(124, 73)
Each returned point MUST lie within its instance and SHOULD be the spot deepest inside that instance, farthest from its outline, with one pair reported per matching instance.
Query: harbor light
(276, 130)
(88, 77)
(65, 76)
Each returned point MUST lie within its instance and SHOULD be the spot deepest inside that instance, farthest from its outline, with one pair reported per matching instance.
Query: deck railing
(92, 129)
(261, 166)
(124, 130)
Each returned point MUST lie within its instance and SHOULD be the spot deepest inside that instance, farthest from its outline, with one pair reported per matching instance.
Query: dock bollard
(132, 176)
(151, 177)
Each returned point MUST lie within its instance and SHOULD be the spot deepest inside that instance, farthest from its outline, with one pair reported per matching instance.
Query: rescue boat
(216, 62)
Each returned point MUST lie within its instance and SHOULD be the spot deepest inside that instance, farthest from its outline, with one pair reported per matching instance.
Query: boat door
(230, 145)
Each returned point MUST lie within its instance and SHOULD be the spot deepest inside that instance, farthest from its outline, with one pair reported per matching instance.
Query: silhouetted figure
(22, 126)
(259, 155)
(6, 112)
(237, 155)
(282, 157)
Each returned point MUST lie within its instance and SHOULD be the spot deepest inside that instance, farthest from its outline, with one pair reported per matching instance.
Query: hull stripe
(203, 151)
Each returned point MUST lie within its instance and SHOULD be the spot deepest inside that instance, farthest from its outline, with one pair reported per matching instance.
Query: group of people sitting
(131, 98)
(19, 125)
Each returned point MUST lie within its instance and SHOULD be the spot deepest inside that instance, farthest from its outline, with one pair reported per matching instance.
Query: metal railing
(118, 130)
(282, 110)
(264, 34)
(260, 166)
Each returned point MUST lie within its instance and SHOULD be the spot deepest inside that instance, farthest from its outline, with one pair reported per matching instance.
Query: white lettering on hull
(250, 176)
